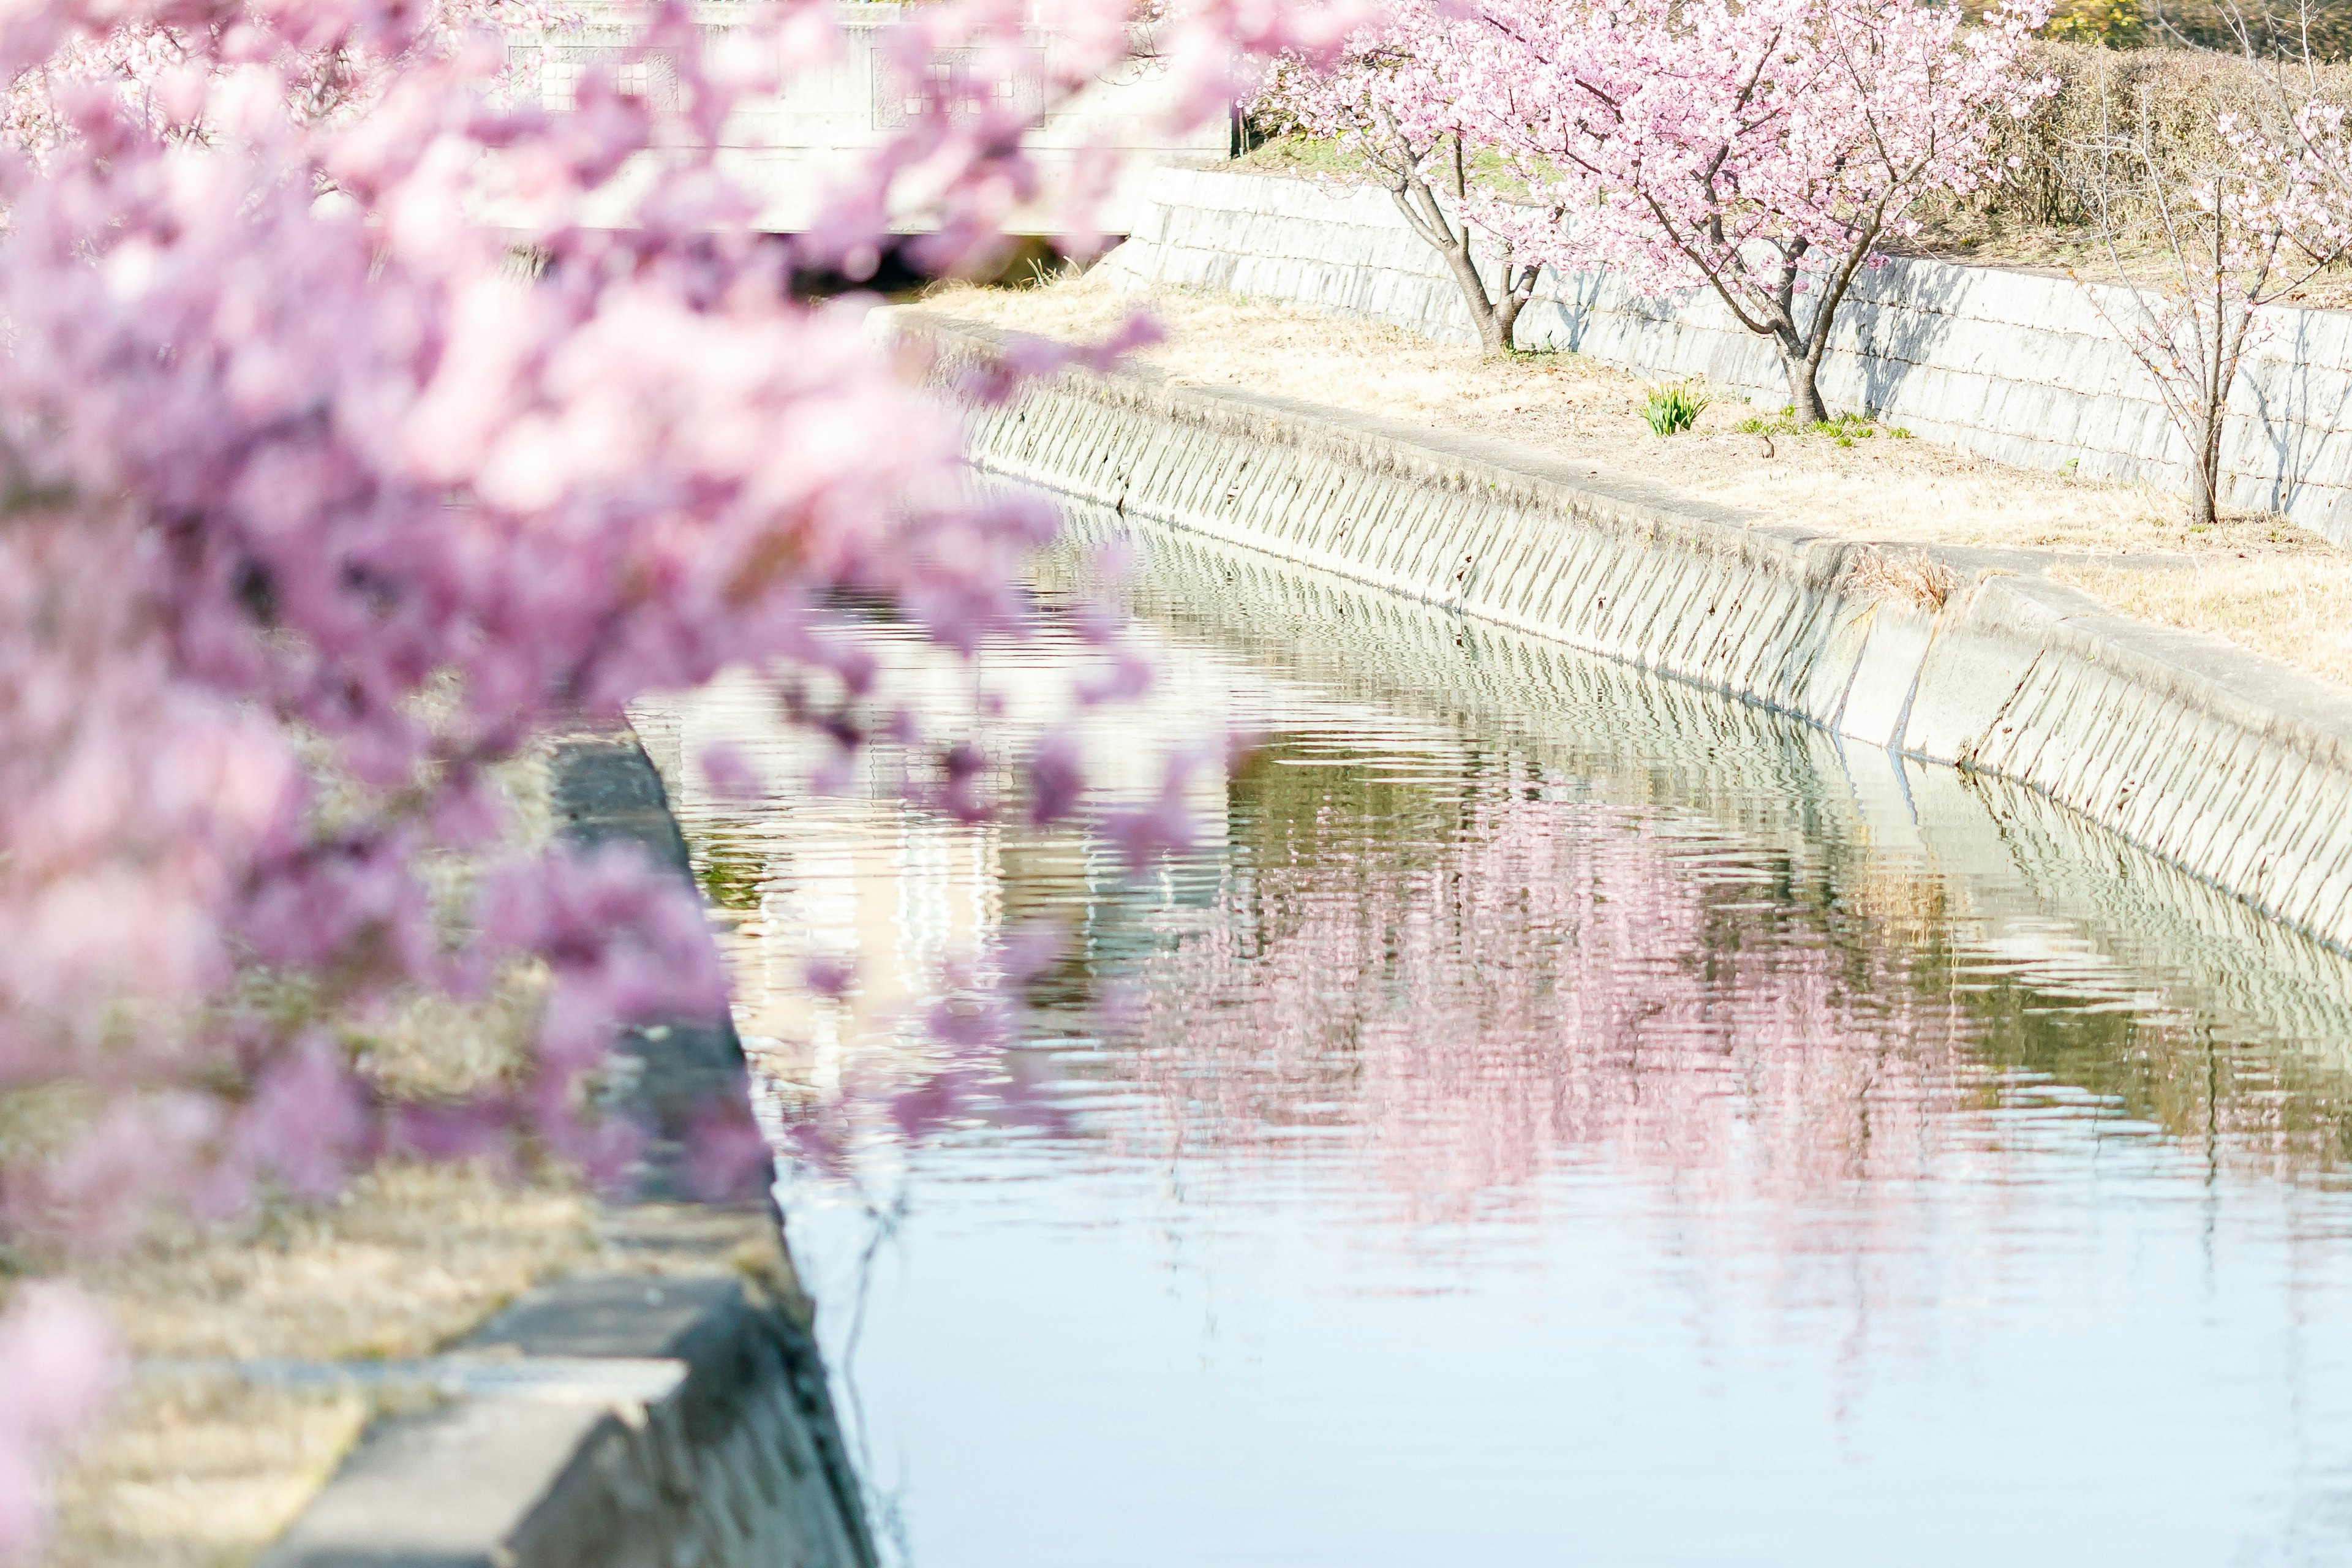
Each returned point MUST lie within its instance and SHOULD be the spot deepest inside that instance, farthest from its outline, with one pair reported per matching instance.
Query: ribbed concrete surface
(2231, 767)
(2019, 366)
(2003, 856)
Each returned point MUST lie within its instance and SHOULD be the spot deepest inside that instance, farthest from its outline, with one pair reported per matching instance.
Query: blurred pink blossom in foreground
(306, 479)
(57, 1364)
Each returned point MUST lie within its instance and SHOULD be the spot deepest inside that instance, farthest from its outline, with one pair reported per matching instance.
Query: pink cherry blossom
(323, 503)
(728, 774)
(728, 1155)
(57, 1364)
(1161, 827)
(1761, 150)
(1404, 98)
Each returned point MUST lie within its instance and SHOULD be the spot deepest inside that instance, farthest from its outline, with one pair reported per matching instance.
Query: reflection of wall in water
(2016, 903)
(2021, 887)
(902, 892)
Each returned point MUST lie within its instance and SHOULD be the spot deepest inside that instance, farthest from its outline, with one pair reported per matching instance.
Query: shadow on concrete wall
(1885, 336)
(1896, 320)
(2296, 426)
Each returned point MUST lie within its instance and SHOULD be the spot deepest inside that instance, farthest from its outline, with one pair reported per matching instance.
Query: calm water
(1550, 1117)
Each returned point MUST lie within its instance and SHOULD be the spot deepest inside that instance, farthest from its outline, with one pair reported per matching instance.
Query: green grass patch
(1845, 429)
(1293, 154)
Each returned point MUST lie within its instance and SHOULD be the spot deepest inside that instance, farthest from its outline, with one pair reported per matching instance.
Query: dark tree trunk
(1803, 369)
(1493, 314)
(1805, 404)
(1491, 318)
(2204, 508)
(1506, 311)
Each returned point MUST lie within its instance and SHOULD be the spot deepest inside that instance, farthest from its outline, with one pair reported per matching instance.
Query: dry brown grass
(1901, 576)
(2298, 611)
(2169, 100)
(2173, 99)
(437, 1048)
(410, 1258)
(1881, 488)
(200, 1474)
(201, 1468)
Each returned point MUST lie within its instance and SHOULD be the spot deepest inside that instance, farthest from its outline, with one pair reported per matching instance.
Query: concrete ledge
(727, 1468)
(2230, 766)
(676, 1413)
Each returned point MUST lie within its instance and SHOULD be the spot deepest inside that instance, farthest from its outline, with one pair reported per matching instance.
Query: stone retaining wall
(2019, 366)
(2228, 765)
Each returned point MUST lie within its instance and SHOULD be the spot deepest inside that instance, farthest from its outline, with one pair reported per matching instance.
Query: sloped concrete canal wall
(2025, 368)
(671, 1410)
(2229, 766)
(2002, 856)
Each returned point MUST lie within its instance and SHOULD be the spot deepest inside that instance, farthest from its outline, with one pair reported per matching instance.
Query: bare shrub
(2170, 101)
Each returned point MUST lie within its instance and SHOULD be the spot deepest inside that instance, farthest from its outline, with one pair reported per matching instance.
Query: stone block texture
(2033, 369)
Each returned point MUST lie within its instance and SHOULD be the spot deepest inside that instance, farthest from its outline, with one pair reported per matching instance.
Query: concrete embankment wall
(2228, 765)
(2021, 367)
(2050, 899)
(669, 1407)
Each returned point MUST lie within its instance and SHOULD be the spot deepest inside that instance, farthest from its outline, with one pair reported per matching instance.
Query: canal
(1548, 1115)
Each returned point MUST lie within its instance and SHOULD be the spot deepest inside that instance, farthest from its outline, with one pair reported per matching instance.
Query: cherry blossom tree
(2269, 210)
(1763, 150)
(1394, 100)
(320, 511)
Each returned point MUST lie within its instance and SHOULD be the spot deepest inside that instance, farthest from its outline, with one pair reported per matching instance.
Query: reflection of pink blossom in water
(1436, 1000)
(1552, 982)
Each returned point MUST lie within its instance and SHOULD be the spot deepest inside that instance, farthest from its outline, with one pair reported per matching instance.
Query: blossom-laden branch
(319, 509)
(1765, 151)
(1394, 99)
